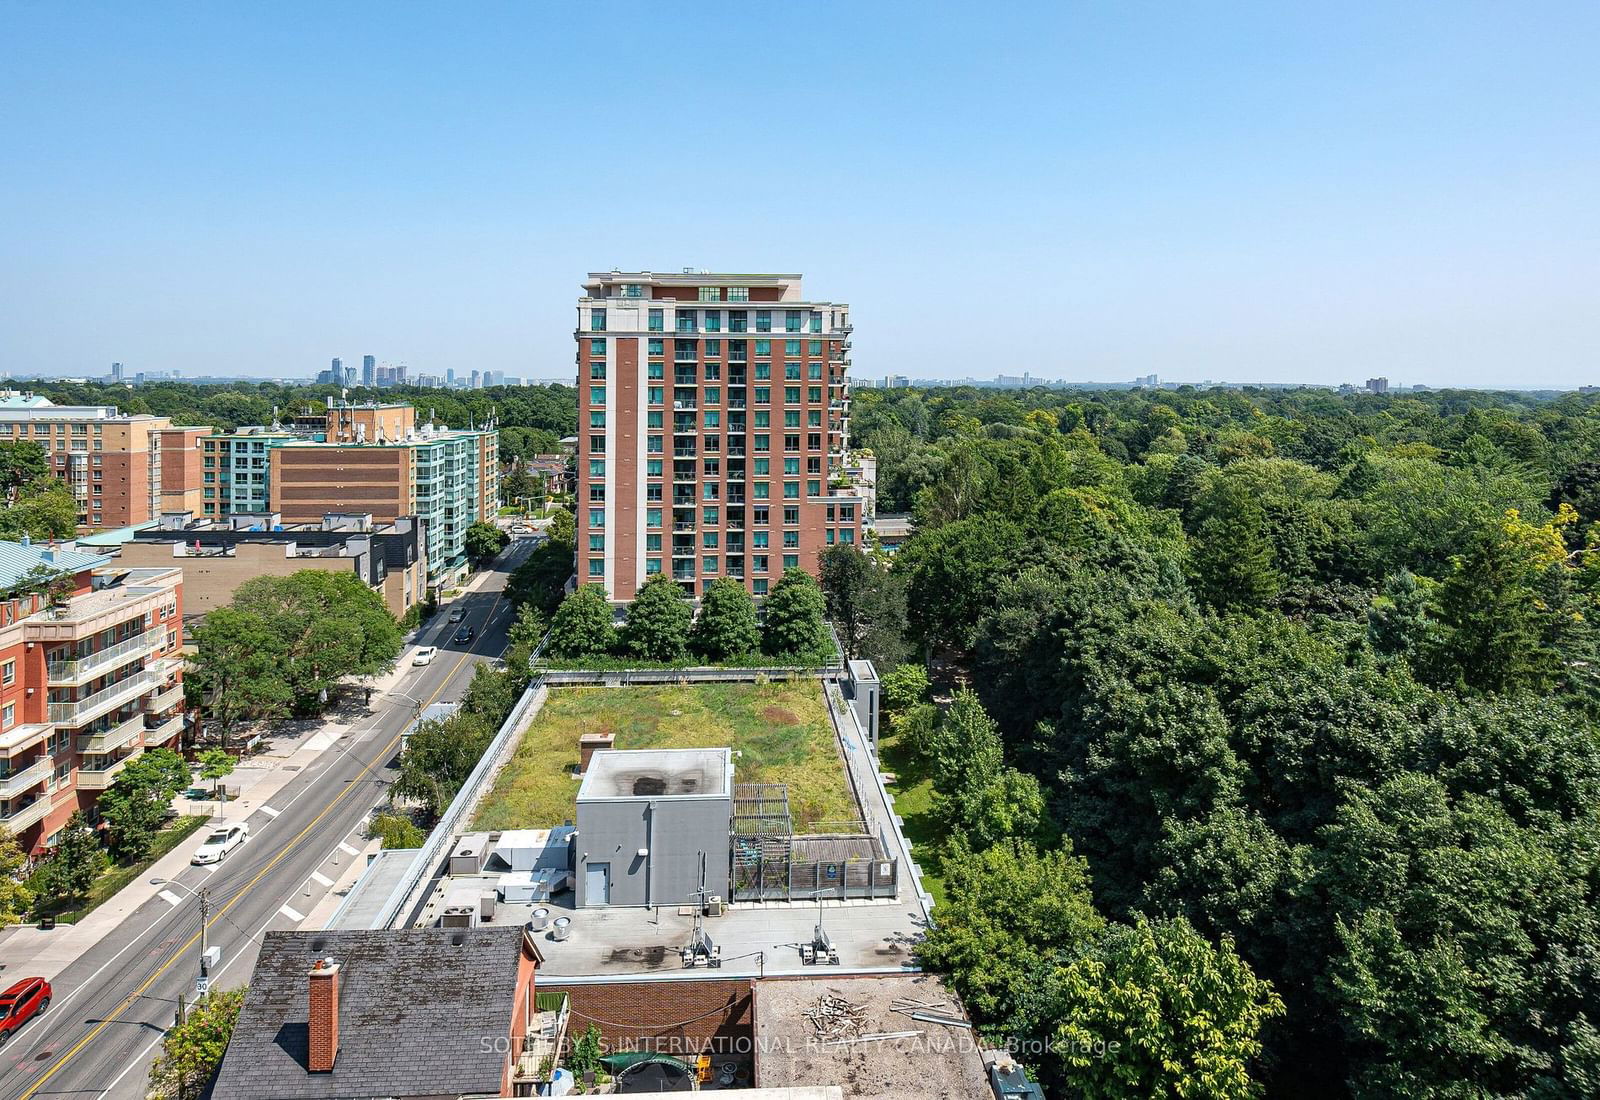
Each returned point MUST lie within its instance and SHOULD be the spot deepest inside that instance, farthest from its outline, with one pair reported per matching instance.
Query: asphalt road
(112, 1006)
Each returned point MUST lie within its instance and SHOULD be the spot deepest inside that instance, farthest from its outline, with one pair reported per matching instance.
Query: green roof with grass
(781, 732)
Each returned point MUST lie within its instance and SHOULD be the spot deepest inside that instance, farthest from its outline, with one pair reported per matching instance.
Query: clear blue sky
(1090, 191)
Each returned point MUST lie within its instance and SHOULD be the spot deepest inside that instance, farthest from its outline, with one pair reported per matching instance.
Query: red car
(19, 1004)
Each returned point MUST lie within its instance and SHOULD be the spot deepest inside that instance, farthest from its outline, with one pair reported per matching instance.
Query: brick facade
(681, 1018)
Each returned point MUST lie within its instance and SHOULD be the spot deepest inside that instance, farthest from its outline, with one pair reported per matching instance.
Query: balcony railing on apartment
(20, 780)
(165, 732)
(98, 779)
(77, 668)
(81, 710)
(113, 738)
(19, 818)
(170, 697)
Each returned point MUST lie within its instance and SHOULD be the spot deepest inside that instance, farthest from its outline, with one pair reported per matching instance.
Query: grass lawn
(117, 876)
(781, 730)
(912, 791)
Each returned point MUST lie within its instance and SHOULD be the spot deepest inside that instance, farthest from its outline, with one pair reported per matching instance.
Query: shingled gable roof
(422, 1012)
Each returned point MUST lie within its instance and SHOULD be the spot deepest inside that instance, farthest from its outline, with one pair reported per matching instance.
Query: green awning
(616, 1063)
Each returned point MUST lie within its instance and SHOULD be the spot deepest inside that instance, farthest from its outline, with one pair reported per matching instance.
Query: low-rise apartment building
(713, 418)
(91, 676)
(218, 556)
(122, 469)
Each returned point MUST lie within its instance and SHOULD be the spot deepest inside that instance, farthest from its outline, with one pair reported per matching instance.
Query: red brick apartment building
(713, 417)
(88, 681)
(122, 469)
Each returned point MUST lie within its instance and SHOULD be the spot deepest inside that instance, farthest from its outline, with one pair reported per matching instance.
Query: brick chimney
(324, 1017)
(588, 743)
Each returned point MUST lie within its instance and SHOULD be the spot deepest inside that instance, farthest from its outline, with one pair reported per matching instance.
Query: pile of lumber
(833, 1017)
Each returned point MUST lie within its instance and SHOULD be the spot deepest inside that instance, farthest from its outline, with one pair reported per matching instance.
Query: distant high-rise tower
(1377, 385)
(449, 376)
(337, 368)
(369, 365)
(116, 372)
(477, 380)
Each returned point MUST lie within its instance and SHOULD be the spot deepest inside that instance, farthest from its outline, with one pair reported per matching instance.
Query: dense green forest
(1280, 763)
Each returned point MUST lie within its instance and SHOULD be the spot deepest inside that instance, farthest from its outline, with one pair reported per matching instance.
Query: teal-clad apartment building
(368, 458)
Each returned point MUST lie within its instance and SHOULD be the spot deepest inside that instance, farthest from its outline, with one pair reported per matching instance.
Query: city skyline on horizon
(1299, 196)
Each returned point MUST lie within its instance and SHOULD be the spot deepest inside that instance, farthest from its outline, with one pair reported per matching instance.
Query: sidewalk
(293, 746)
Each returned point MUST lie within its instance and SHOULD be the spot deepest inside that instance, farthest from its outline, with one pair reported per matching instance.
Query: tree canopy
(1307, 684)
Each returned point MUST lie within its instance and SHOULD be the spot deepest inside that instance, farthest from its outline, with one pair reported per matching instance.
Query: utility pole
(203, 986)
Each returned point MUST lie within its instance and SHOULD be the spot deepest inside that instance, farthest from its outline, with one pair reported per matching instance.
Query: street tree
(215, 765)
(44, 508)
(657, 627)
(15, 895)
(438, 757)
(484, 541)
(192, 1050)
(65, 876)
(329, 626)
(793, 625)
(542, 577)
(237, 671)
(136, 804)
(563, 529)
(396, 831)
(727, 627)
(21, 463)
(583, 625)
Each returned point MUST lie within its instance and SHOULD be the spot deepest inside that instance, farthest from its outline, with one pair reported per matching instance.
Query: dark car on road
(464, 635)
(19, 1004)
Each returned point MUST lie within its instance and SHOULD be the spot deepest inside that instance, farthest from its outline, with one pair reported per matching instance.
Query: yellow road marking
(180, 952)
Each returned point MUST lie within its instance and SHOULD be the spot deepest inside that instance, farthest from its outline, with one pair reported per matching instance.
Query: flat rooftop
(657, 773)
(367, 898)
(940, 1060)
(756, 940)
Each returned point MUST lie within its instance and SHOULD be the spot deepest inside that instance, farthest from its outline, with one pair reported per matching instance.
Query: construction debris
(947, 1021)
(873, 1038)
(909, 1005)
(833, 1018)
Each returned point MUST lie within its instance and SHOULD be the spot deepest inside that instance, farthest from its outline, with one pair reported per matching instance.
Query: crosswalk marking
(169, 897)
(347, 850)
(270, 812)
(292, 915)
(321, 879)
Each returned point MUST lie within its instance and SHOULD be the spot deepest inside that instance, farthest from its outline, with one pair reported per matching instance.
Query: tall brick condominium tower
(713, 417)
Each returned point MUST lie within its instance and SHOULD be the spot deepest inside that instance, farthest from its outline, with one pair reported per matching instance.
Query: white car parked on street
(223, 839)
(424, 655)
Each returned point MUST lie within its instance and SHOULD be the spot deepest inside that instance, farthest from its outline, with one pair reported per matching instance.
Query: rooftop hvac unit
(459, 916)
(486, 902)
(467, 856)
